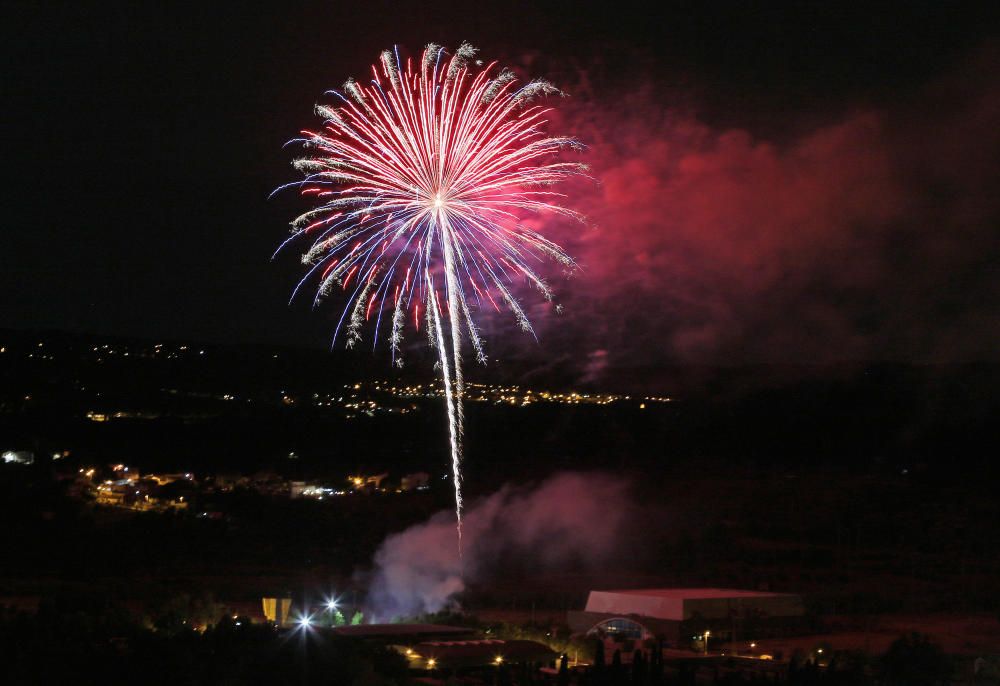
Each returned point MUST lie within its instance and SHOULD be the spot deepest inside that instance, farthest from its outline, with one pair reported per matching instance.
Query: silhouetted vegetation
(913, 660)
(69, 642)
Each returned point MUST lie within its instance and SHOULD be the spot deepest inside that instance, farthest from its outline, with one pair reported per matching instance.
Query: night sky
(772, 183)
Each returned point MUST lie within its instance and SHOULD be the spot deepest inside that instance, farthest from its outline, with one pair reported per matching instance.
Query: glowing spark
(422, 179)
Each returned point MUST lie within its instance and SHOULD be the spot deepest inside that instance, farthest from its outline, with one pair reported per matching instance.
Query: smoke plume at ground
(561, 522)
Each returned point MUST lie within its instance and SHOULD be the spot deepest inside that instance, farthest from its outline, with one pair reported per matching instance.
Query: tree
(598, 655)
(563, 677)
(503, 675)
(184, 611)
(656, 664)
(616, 668)
(357, 618)
(600, 675)
(638, 668)
(913, 660)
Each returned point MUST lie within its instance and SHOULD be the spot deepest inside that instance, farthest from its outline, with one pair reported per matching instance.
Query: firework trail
(421, 179)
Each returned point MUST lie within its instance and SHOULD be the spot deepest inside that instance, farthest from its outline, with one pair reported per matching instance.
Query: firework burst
(421, 180)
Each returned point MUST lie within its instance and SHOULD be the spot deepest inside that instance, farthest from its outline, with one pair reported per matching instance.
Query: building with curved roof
(678, 614)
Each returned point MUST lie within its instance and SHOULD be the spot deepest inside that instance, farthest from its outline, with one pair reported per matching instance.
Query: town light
(431, 663)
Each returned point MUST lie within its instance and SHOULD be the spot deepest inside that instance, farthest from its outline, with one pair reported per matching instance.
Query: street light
(707, 634)
(304, 622)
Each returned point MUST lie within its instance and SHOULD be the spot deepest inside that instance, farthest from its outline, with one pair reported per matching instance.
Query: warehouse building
(680, 616)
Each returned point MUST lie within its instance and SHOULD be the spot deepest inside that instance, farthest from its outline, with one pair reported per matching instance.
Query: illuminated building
(413, 482)
(18, 457)
(277, 610)
(374, 482)
(118, 493)
(164, 479)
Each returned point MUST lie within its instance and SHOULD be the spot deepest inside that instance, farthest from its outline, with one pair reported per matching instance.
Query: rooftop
(396, 631)
(683, 603)
(693, 593)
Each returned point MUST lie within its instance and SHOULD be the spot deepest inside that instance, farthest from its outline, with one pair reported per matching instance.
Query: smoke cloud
(868, 235)
(565, 520)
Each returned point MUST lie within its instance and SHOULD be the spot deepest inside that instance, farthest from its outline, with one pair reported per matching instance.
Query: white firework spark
(421, 180)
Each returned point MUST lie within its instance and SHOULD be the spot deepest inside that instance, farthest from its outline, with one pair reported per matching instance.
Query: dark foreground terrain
(869, 489)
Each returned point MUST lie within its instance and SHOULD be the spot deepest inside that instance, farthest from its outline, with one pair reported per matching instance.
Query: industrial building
(680, 616)
(404, 634)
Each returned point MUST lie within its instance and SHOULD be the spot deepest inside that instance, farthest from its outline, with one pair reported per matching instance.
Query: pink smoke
(569, 518)
(869, 237)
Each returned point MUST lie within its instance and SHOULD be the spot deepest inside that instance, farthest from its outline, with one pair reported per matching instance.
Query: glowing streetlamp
(304, 622)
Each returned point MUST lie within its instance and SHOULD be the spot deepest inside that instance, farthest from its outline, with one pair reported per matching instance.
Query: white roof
(674, 603)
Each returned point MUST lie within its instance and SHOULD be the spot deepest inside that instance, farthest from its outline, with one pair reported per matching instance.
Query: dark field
(870, 490)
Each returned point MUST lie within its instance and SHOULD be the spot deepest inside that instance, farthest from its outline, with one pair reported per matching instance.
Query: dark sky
(775, 182)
